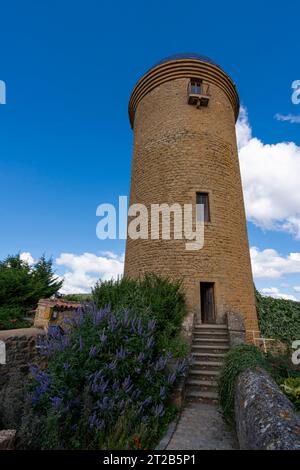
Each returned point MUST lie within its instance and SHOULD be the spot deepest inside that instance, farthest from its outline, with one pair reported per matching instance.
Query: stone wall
(236, 328)
(21, 351)
(265, 418)
(7, 439)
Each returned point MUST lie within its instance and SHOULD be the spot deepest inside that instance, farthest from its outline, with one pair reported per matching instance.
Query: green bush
(78, 297)
(12, 317)
(291, 387)
(278, 318)
(281, 367)
(238, 359)
(150, 296)
(105, 387)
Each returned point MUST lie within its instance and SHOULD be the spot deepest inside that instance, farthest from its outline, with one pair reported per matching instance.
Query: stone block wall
(236, 328)
(21, 350)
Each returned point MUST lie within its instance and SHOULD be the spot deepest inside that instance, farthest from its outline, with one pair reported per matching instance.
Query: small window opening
(198, 92)
(196, 86)
(203, 198)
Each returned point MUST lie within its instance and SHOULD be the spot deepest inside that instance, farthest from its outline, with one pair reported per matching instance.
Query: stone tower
(183, 113)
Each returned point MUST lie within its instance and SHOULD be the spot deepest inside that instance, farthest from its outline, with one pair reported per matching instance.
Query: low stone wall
(265, 418)
(7, 439)
(20, 352)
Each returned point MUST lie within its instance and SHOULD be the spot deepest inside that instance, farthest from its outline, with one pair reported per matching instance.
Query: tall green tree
(45, 282)
(23, 285)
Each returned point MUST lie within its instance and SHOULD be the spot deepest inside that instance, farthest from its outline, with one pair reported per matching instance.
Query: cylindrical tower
(183, 113)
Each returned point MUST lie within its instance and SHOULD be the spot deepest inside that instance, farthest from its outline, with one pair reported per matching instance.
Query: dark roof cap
(186, 55)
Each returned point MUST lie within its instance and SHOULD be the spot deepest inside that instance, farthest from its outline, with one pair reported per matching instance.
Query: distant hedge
(278, 318)
(78, 297)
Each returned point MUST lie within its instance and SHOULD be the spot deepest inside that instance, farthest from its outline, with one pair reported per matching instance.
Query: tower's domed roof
(183, 65)
(186, 55)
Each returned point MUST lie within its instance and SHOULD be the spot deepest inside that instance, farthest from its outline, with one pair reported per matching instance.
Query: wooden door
(207, 302)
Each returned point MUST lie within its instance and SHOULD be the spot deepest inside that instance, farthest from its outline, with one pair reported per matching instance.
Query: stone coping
(265, 418)
(19, 332)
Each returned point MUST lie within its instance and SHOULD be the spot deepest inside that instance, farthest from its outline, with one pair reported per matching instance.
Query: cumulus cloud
(293, 118)
(243, 129)
(270, 264)
(83, 271)
(270, 176)
(27, 257)
(276, 294)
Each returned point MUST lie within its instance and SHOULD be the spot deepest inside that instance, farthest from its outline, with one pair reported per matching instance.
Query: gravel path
(201, 426)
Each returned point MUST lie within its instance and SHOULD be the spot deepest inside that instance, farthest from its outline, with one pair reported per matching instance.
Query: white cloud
(27, 257)
(270, 264)
(293, 118)
(243, 129)
(274, 292)
(83, 271)
(297, 288)
(270, 176)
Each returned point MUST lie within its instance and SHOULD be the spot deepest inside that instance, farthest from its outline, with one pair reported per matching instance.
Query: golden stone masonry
(183, 113)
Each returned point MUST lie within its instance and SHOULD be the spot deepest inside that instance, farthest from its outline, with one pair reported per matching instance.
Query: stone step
(204, 356)
(210, 334)
(202, 384)
(206, 331)
(223, 334)
(215, 349)
(198, 348)
(207, 365)
(200, 395)
(211, 341)
(211, 326)
(204, 374)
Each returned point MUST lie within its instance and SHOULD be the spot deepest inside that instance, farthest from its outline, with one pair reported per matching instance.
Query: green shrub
(105, 387)
(78, 297)
(12, 317)
(278, 318)
(291, 387)
(281, 367)
(238, 359)
(150, 296)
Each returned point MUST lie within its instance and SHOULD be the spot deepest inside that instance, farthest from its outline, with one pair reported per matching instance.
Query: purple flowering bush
(106, 385)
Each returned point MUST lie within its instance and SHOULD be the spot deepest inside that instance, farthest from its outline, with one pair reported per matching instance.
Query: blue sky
(65, 139)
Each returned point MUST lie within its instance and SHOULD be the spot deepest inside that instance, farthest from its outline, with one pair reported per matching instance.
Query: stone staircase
(210, 344)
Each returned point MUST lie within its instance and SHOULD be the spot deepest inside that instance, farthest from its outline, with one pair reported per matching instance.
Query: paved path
(201, 426)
